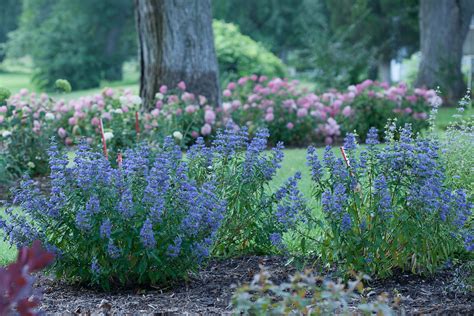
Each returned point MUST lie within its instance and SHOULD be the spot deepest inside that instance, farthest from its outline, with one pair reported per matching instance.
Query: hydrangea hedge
(292, 114)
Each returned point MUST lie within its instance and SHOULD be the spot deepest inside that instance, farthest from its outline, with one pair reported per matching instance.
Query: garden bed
(210, 291)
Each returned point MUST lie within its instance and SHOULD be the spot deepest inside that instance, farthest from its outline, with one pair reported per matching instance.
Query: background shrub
(374, 104)
(144, 222)
(238, 55)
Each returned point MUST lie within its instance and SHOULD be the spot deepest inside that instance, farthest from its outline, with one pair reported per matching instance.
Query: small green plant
(4, 95)
(306, 294)
(63, 85)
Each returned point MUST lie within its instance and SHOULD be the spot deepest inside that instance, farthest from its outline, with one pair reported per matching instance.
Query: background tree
(444, 25)
(9, 14)
(388, 29)
(279, 25)
(82, 41)
(177, 44)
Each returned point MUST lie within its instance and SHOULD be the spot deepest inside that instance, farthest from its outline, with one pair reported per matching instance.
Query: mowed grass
(17, 79)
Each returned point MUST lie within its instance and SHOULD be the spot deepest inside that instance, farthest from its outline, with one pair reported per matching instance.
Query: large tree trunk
(177, 44)
(443, 28)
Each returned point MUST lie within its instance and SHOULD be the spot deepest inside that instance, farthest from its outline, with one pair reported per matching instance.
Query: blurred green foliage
(9, 12)
(239, 55)
(334, 42)
(82, 41)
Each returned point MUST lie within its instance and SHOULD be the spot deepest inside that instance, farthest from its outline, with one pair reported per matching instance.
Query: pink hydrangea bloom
(269, 117)
(231, 86)
(242, 81)
(227, 93)
(209, 116)
(302, 112)
(206, 129)
(3, 109)
(109, 92)
(236, 104)
(72, 121)
(62, 132)
(163, 89)
(190, 109)
(107, 116)
(290, 125)
(347, 111)
(95, 121)
(187, 97)
(182, 85)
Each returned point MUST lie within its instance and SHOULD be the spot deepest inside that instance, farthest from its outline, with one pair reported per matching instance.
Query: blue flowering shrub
(389, 207)
(143, 222)
(242, 170)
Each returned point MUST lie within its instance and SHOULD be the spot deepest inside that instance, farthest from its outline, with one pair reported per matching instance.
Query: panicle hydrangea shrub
(182, 113)
(143, 222)
(389, 207)
(242, 169)
(299, 117)
(25, 128)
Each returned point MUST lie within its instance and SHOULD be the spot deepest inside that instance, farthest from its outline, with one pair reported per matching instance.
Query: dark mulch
(209, 292)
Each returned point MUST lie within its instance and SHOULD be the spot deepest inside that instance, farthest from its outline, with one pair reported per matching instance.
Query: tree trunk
(177, 44)
(444, 25)
(113, 55)
(384, 70)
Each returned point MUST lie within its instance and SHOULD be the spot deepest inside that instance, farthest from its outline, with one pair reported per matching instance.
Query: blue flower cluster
(106, 221)
(388, 191)
(241, 168)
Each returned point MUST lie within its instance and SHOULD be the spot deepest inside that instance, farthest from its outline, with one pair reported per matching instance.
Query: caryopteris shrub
(389, 207)
(143, 222)
(242, 170)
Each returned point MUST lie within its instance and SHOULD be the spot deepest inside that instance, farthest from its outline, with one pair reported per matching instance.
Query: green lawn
(16, 78)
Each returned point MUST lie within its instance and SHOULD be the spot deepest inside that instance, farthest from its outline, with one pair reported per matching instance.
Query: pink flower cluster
(292, 113)
(178, 110)
(73, 119)
(280, 104)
